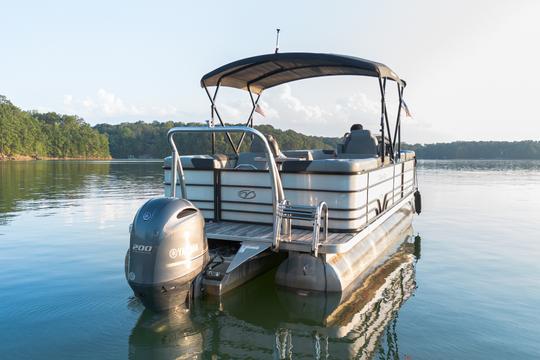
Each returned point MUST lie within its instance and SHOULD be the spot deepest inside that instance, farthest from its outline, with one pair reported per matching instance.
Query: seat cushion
(331, 165)
(203, 162)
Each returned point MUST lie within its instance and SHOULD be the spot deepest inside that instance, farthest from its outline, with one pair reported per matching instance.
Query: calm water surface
(471, 292)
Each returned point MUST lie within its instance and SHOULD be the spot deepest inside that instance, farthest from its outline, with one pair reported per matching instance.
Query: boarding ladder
(317, 215)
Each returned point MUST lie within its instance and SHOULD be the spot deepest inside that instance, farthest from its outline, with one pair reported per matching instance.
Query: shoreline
(4, 158)
(31, 158)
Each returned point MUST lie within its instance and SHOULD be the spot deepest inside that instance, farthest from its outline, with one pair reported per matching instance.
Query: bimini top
(265, 71)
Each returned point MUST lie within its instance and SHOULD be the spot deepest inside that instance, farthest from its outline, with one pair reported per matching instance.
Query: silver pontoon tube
(277, 189)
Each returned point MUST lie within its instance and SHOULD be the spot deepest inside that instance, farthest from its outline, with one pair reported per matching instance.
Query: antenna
(277, 40)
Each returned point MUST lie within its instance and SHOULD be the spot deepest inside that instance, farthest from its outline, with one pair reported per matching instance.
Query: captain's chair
(358, 144)
(257, 146)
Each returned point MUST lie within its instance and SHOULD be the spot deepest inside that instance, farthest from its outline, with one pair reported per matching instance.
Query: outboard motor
(167, 250)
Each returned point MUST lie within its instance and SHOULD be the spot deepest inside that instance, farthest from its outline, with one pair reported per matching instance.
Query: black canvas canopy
(265, 71)
(258, 73)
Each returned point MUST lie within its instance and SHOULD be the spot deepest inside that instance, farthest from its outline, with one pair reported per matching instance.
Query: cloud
(106, 104)
(302, 112)
(285, 110)
(112, 105)
(236, 110)
(68, 99)
(88, 103)
(228, 111)
(358, 102)
(330, 118)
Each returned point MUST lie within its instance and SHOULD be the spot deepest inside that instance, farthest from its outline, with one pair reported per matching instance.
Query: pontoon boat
(323, 216)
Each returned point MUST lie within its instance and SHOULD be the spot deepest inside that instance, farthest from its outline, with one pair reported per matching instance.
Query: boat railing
(177, 171)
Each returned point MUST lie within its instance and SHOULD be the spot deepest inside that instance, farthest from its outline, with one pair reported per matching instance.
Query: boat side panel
(380, 191)
(199, 187)
(247, 196)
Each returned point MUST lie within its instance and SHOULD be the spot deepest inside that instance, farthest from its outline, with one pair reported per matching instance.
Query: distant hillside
(149, 140)
(504, 150)
(48, 135)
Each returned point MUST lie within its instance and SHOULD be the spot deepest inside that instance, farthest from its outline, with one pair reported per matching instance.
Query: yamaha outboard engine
(167, 250)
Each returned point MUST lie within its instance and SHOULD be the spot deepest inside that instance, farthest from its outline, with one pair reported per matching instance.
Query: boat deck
(300, 239)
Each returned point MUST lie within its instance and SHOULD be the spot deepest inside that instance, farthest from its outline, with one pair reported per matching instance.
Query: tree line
(47, 135)
(68, 136)
(149, 140)
(469, 150)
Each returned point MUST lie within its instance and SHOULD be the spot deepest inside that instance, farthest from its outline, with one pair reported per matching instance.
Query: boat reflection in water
(165, 336)
(259, 320)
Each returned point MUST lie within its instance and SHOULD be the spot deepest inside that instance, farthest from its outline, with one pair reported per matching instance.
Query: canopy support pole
(212, 121)
(214, 109)
(383, 148)
(249, 122)
(397, 131)
(390, 139)
(384, 121)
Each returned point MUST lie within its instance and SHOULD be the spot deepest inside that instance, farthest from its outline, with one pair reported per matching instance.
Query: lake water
(472, 291)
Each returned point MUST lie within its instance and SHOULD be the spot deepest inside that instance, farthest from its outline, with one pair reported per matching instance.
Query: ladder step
(318, 215)
(302, 211)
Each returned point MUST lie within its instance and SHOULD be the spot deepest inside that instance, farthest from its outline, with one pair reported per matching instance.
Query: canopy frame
(214, 111)
(394, 140)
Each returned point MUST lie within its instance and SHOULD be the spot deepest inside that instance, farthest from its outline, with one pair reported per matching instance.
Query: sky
(470, 66)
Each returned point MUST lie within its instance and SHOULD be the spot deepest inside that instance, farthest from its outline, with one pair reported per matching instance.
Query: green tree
(47, 134)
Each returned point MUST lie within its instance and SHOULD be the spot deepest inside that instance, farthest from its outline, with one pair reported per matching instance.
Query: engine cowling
(168, 249)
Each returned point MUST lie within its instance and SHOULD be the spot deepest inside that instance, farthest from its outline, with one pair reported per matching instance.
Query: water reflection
(259, 320)
(480, 165)
(39, 185)
(166, 337)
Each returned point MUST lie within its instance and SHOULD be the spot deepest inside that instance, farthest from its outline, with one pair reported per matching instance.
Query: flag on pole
(405, 108)
(260, 110)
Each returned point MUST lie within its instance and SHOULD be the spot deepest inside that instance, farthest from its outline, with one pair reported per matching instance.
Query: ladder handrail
(322, 212)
